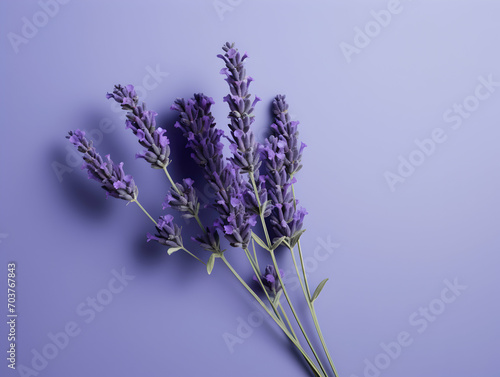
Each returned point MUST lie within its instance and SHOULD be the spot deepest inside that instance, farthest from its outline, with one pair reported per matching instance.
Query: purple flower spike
(270, 279)
(183, 198)
(283, 159)
(244, 147)
(286, 130)
(210, 240)
(245, 152)
(111, 176)
(143, 125)
(204, 139)
(169, 234)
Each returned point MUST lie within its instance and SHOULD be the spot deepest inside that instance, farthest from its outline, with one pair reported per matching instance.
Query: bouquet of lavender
(254, 185)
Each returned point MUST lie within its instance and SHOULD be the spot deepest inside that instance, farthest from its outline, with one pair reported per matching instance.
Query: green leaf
(318, 290)
(277, 243)
(295, 238)
(259, 241)
(277, 298)
(210, 264)
(173, 250)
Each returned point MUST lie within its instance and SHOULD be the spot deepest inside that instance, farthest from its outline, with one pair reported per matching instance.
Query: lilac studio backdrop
(399, 106)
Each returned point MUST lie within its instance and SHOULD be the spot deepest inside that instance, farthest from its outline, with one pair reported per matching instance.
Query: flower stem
(171, 180)
(287, 320)
(194, 256)
(278, 322)
(295, 313)
(252, 179)
(307, 294)
(146, 212)
(257, 274)
(199, 222)
(312, 309)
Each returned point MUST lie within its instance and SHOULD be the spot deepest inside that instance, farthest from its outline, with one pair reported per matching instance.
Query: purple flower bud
(168, 233)
(111, 176)
(183, 198)
(283, 160)
(209, 240)
(270, 279)
(286, 130)
(143, 125)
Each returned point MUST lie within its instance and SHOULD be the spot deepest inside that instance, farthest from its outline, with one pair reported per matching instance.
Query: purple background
(393, 249)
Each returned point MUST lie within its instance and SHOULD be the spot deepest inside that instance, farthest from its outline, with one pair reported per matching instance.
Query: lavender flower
(183, 198)
(209, 240)
(143, 125)
(198, 126)
(243, 146)
(283, 160)
(110, 175)
(286, 130)
(270, 279)
(169, 234)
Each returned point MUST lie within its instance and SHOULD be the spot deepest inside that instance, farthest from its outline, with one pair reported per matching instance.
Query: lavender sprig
(204, 139)
(244, 147)
(243, 144)
(209, 240)
(270, 279)
(106, 172)
(143, 125)
(283, 160)
(286, 129)
(183, 198)
(168, 233)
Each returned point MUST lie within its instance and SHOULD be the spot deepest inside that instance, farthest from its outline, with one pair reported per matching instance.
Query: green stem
(295, 313)
(287, 320)
(199, 222)
(257, 274)
(302, 264)
(307, 294)
(141, 207)
(194, 256)
(325, 348)
(269, 244)
(171, 180)
(252, 179)
(293, 193)
(312, 309)
(278, 322)
(255, 255)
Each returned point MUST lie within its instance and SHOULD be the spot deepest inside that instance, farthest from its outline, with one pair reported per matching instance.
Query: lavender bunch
(242, 195)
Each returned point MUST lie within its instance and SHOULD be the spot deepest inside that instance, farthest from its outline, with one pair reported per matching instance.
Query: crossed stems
(305, 285)
(275, 304)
